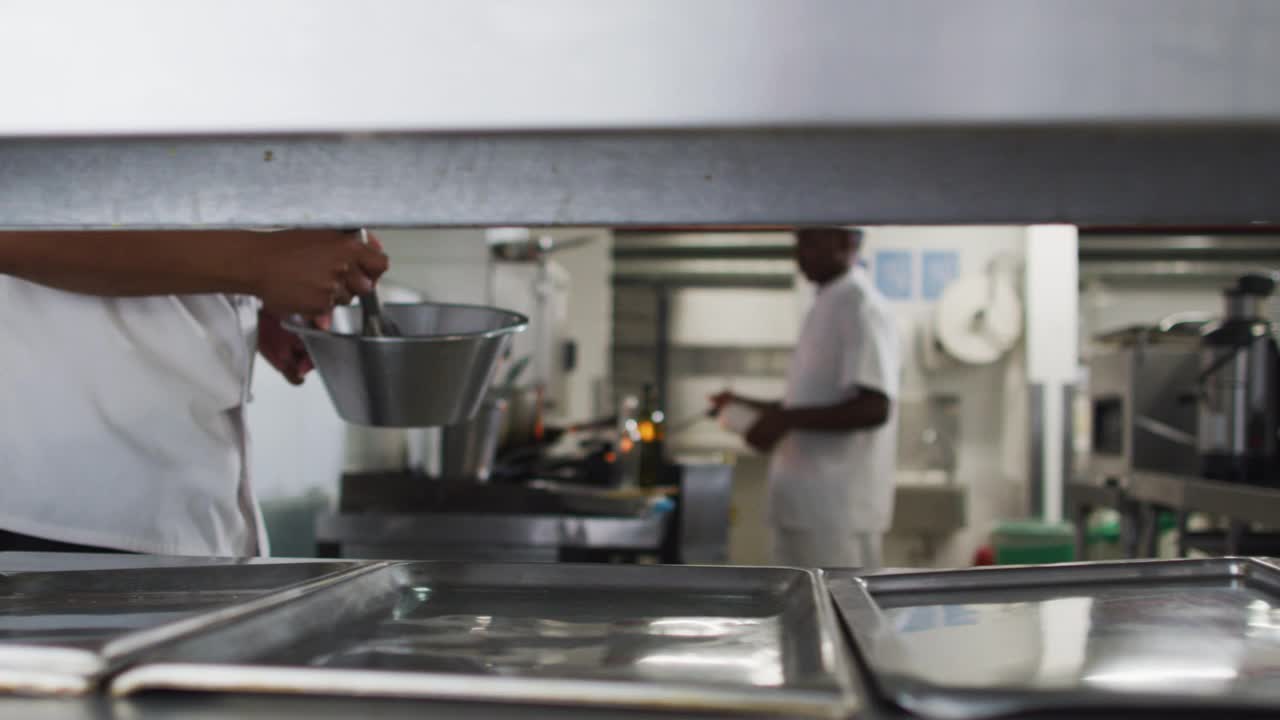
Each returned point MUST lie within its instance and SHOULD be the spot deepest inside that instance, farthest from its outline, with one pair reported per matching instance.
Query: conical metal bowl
(435, 373)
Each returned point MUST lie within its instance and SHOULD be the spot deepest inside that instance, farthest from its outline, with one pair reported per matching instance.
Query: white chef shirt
(839, 481)
(122, 421)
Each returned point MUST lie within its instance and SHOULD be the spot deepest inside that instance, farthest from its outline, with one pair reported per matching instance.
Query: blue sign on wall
(893, 273)
(938, 269)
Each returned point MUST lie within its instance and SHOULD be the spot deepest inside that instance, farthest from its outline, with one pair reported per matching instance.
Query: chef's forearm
(757, 404)
(868, 409)
(131, 263)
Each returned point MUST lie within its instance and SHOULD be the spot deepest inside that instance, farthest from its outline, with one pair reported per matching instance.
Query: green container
(1033, 542)
(1102, 541)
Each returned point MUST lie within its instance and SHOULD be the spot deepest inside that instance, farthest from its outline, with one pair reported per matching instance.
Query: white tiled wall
(990, 459)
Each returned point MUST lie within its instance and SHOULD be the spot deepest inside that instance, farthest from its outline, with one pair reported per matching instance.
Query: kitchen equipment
(373, 323)
(1141, 385)
(62, 631)
(523, 418)
(1173, 635)
(730, 639)
(408, 517)
(520, 245)
(435, 374)
(467, 449)
(1239, 398)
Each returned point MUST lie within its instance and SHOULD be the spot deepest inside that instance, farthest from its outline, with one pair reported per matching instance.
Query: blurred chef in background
(833, 437)
(127, 358)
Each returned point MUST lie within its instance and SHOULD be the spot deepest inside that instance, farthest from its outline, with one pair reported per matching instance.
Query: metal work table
(1248, 503)
(187, 706)
(175, 704)
(169, 705)
(1083, 497)
(195, 706)
(1140, 495)
(510, 536)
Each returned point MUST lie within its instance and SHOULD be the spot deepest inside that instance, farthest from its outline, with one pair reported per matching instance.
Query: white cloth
(839, 482)
(122, 420)
(814, 549)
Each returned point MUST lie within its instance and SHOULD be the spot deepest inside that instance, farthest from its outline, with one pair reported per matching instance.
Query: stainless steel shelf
(1241, 502)
(338, 67)
(1140, 495)
(743, 112)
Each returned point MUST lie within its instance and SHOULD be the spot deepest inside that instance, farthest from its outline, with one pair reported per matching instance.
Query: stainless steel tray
(62, 631)
(671, 637)
(1149, 634)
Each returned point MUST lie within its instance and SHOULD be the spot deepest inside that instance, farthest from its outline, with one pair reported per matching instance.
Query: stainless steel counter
(1229, 601)
(188, 706)
(196, 706)
(486, 536)
(671, 638)
(1148, 636)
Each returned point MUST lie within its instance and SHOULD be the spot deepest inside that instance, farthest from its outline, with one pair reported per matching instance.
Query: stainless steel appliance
(467, 449)
(1239, 381)
(1141, 386)
(531, 517)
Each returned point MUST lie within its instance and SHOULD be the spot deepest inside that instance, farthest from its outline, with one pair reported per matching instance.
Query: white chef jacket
(839, 481)
(122, 421)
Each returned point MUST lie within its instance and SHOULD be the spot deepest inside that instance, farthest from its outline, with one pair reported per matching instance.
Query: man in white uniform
(126, 359)
(834, 435)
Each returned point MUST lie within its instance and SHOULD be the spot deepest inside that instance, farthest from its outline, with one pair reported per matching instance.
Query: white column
(1052, 318)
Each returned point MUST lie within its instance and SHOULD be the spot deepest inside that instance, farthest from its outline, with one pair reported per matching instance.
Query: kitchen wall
(991, 459)
(590, 320)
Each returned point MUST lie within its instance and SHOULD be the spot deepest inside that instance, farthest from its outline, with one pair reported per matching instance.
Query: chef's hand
(310, 271)
(768, 430)
(719, 400)
(282, 349)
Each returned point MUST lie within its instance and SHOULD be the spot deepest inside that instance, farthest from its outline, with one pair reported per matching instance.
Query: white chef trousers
(813, 548)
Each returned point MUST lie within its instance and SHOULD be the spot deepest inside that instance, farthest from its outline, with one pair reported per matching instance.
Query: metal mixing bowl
(435, 373)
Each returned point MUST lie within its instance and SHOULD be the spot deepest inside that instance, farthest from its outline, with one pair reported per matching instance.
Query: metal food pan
(670, 637)
(1160, 634)
(62, 631)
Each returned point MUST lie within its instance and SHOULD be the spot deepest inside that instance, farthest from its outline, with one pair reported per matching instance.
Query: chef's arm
(756, 404)
(303, 271)
(720, 399)
(867, 409)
